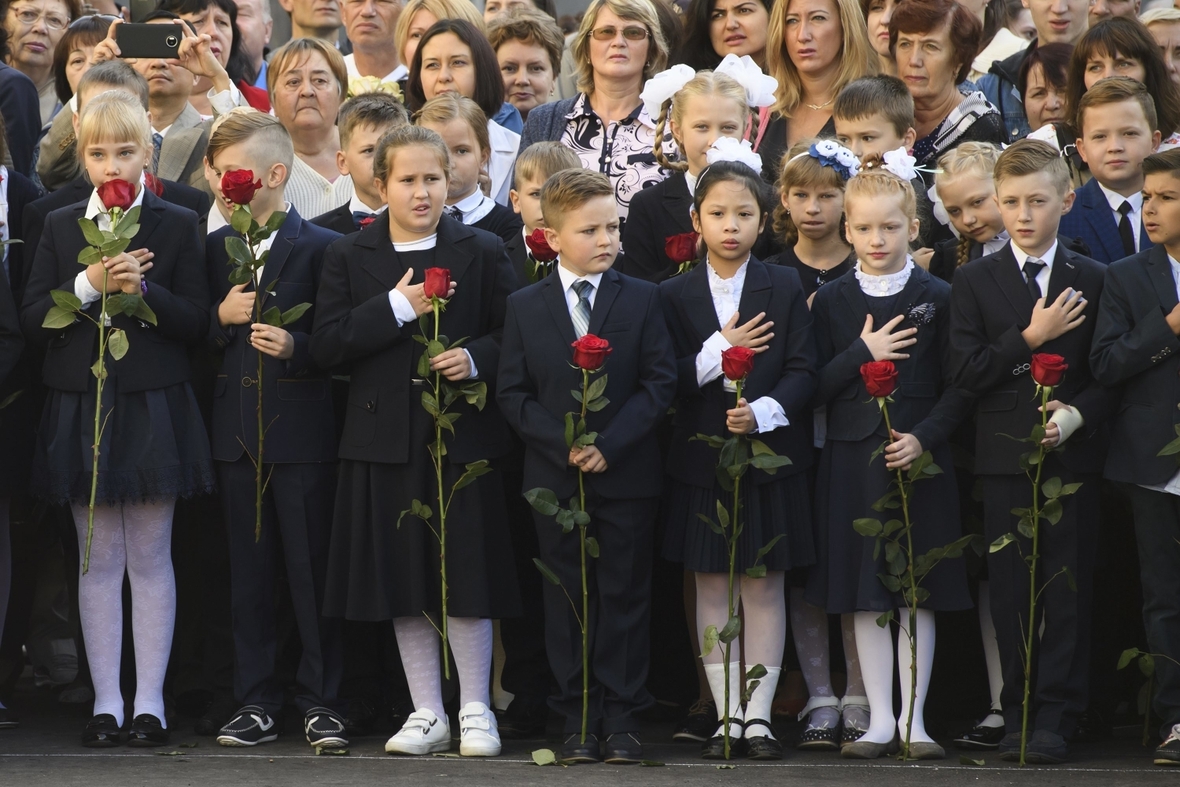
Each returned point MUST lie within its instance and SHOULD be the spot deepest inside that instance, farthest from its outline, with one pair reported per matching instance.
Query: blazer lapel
(677, 201)
(454, 237)
(854, 301)
(1159, 270)
(1005, 271)
(280, 250)
(554, 295)
(1102, 219)
(755, 291)
(698, 302)
(189, 117)
(1063, 275)
(149, 219)
(913, 291)
(607, 290)
(376, 250)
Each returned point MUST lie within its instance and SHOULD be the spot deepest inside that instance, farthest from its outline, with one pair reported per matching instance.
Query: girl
(367, 316)
(965, 189)
(707, 106)
(810, 218)
(464, 127)
(733, 299)
(905, 314)
(154, 447)
(455, 56)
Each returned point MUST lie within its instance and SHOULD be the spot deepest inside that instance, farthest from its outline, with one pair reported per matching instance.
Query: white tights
(471, 644)
(133, 539)
(875, 645)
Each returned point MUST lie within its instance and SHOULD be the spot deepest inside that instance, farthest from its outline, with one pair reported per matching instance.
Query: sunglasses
(631, 33)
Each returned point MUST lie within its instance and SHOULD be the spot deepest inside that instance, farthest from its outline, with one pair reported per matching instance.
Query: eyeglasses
(86, 20)
(28, 17)
(631, 33)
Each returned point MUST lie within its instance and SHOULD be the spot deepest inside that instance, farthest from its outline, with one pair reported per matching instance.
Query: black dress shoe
(8, 719)
(714, 748)
(763, 747)
(146, 730)
(102, 732)
(980, 738)
(360, 718)
(216, 715)
(698, 724)
(1009, 747)
(1168, 752)
(624, 748)
(525, 717)
(574, 751)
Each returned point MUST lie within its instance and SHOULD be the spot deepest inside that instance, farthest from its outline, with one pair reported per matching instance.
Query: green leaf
(1069, 489)
(711, 639)
(1025, 527)
(117, 343)
(722, 515)
(121, 303)
(1037, 435)
(965, 760)
(733, 627)
(885, 619)
(544, 757)
(66, 300)
(240, 274)
(597, 404)
(1127, 657)
(241, 220)
(765, 550)
(89, 256)
(650, 764)
(867, 527)
(1171, 448)
(434, 348)
(591, 542)
(576, 394)
(892, 551)
(546, 572)
(471, 472)
(1147, 665)
(565, 518)
(423, 365)
(1069, 580)
(1052, 510)
(99, 369)
(892, 526)
(239, 252)
(275, 221)
(143, 311)
(769, 463)
(295, 312)
(596, 388)
(569, 430)
(273, 316)
(127, 230)
(716, 528)
(1051, 488)
(430, 404)
(714, 442)
(115, 247)
(454, 344)
(891, 583)
(57, 317)
(544, 501)
(91, 231)
(581, 519)
(756, 572)
(585, 440)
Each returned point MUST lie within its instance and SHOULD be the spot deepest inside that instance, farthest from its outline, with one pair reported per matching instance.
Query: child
(709, 105)
(299, 453)
(903, 311)
(702, 310)
(1028, 298)
(1117, 129)
(535, 165)
(1135, 347)
(622, 469)
(813, 232)
(367, 314)
(362, 121)
(154, 447)
(967, 194)
(464, 127)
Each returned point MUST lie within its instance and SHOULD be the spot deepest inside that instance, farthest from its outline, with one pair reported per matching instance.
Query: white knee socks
(874, 644)
(925, 663)
(716, 675)
(418, 642)
(471, 641)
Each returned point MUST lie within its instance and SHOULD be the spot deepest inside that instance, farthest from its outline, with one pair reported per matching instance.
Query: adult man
(255, 25)
(314, 18)
(370, 25)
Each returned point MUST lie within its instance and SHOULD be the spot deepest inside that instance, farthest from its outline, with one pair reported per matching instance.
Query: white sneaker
(422, 733)
(479, 735)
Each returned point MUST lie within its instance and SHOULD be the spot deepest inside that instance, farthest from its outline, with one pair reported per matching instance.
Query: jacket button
(247, 382)
(369, 405)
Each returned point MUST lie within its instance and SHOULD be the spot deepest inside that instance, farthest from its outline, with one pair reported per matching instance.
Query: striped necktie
(581, 314)
(157, 144)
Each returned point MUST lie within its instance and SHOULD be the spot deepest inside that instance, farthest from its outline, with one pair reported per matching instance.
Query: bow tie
(363, 219)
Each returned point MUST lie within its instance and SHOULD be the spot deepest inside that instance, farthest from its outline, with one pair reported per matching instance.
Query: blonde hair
(269, 142)
(569, 190)
(114, 116)
(856, 59)
(705, 83)
(445, 107)
(641, 11)
(543, 160)
(440, 9)
(1029, 157)
(297, 51)
(800, 171)
(882, 183)
(1160, 15)
(974, 159)
(405, 137)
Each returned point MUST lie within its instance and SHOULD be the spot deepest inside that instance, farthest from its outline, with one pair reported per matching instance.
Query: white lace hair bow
(730, 149)
(900, 163)
(760, 88)
(663, 86)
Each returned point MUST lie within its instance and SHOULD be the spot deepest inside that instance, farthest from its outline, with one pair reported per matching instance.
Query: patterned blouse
(623, 150)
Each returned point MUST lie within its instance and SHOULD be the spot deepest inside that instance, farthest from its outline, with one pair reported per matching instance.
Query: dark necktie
(359, 218)
(1125, 230)
(157, 145)
(454, 212)
(1033, 266)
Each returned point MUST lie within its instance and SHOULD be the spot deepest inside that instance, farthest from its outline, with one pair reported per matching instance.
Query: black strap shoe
(102, 732)
(147, 730)
(574, 751)
(714, 748)
(624, 748)
(764, 747)
(981, 738)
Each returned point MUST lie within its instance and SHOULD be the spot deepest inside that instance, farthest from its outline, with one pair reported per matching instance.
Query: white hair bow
(663, 86)
(760, 88)
(730, 149)
(900, 163)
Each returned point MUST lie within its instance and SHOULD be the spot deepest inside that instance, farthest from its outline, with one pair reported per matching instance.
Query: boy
(1117, 124)
(622, 468)
(1035, 296)
(1136, 347)
(362, 121)
(300, 448)
(535, 165)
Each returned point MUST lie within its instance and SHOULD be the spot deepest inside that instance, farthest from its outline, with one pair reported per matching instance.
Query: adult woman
(71, 58)
(218, 19)
(495, 8)
(1123, 47)
(814, 48)
(933, 43)
(528, 46)
(716, 28)
(1042, 84)
(418, 16)
(455, 56)
(877, 15)
(1164, 26)
(306, 80)
(19, 107)
(34, 29)
(617, 47)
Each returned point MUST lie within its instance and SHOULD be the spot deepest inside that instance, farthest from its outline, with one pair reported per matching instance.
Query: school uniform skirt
(844, 578)
(379, 569)
(778, 507)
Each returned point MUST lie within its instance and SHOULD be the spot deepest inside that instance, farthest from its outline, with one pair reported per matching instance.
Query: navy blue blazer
(924, 403)
(339, 220)
(1134, 348)
(297, 405)
(355, 333)
(536, 378)
(990, 306)
(1092, 221)
(20, 108)
(21, 194)
(785, 371)
(178, 292)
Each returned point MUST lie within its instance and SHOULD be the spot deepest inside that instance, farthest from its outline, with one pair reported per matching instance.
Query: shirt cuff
(471, 363)
(226, 100)
(708, 361)
(84, 291)
(768, 414)
(403, 312)
(1068, 421)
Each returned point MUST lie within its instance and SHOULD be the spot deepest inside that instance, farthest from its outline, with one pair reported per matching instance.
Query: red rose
(539, 246)
(880, 378)
(437, 284)
(737, 362)
(117, 194)
(1048, 369)
(367, 220)
(681, 248)
(590, 352)
(153, 183)
(239, 186)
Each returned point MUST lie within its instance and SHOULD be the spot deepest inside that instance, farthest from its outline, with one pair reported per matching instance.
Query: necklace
(818, 107)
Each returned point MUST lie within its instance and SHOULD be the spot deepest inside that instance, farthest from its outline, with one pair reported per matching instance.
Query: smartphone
(151, 41)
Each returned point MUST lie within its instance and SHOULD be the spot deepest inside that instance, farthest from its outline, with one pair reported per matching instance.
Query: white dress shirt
(1116, 200)
(356, 206)
(505, 144)
(215, 221)
(1172, 485)
(1047, 271)
(568, 278)
(354, 73)
(727, 295)
(996, 243)
(96, 211)
(474, 206)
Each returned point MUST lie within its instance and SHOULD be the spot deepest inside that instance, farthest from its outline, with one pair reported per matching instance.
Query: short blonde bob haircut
(641, 11)
(113, 116)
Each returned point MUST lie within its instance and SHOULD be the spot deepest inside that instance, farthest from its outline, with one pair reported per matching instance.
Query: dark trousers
(296, 519)
(1061, 656)
(1157, 528)
(619, 585)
